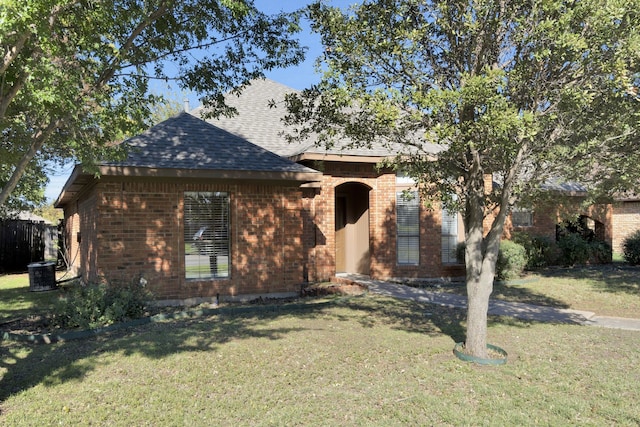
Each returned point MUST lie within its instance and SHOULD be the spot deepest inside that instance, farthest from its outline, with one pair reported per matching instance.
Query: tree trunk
(480, 274)
(479, 288)
(480, 258)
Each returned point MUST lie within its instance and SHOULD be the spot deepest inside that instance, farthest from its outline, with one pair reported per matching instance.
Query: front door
(341, 233)
(352, 228)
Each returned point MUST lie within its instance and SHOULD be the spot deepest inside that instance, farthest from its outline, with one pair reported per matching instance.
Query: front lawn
(607, 290)
(362, 360)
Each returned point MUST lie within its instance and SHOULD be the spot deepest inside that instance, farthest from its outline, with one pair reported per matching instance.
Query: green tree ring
(460, 354)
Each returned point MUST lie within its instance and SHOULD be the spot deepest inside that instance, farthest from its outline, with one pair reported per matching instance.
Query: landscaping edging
(457, 350)
(161, 317)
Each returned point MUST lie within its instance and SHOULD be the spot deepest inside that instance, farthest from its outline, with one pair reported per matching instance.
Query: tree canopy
(75, 74)
(521, 91)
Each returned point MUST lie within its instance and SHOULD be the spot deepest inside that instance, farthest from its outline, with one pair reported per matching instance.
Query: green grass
(363, 361)
(357, 361)
(609, 290)
(17, 301)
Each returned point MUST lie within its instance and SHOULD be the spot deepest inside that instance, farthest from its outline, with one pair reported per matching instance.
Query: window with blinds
(408, 228)
(521, 217)
(206, 235)
(449, 236)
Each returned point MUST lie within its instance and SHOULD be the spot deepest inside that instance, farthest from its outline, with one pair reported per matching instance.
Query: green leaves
(523, 88)
(513, 93)
(75, 75)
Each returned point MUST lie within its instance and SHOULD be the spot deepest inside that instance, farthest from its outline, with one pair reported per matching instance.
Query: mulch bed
(333, 289)
(29, 325)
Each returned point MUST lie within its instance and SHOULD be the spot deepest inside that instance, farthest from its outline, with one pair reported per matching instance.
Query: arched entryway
(590, 229)
(352, 228)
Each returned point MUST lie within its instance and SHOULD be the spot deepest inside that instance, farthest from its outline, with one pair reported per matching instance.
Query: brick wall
(123, 229)
(626, 220)
(382, 225)
(547, 215)
(132, 229)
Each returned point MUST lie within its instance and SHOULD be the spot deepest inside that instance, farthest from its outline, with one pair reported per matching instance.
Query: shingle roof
(262, 124)
(256, 121)
(554, 184)
(186, 142)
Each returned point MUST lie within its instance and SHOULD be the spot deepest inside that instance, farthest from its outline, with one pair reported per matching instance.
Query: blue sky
(297, 77)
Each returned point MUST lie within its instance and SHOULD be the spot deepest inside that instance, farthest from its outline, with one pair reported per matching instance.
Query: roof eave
(79, 179)
(346, 158)
(242, 175)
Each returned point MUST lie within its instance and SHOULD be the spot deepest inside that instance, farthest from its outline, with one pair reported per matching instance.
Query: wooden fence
(23, 242)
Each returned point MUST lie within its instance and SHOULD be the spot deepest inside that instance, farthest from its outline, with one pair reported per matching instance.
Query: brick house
(229, 207)
(567, 204)
(611, 222)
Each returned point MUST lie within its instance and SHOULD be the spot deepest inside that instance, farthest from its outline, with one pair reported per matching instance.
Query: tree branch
(6, 98)
(13, 51)
(108, 73)
(37, 142)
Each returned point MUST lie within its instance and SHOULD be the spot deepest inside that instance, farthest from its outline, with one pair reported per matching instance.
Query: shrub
(512, 259)
(578, 250)
(541, 251)
(96, 305)
(574, 250)
(631, 248)
(600, 252)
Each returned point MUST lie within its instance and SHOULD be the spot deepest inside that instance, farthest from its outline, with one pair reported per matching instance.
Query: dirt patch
(26, 326)
(323, 289)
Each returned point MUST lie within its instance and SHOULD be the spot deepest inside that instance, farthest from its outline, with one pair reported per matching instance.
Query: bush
(97, 305)
(512, 259)
(631, 248)
(541, 251)
(574, 250)
(601, 252)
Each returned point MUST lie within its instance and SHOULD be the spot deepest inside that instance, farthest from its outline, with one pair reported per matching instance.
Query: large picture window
(206, 235)
(408, 227)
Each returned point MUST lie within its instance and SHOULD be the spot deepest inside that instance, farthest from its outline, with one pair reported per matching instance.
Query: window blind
(206, 235)
(408, 228)
(449, 236)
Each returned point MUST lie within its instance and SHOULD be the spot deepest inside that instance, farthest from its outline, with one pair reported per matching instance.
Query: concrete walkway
(496, 307)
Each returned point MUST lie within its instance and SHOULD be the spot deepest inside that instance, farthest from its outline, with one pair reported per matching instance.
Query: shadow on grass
(510, 291)
(16, 300)
(28, 365)
(615, 278)
(409, 316)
